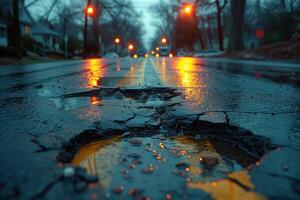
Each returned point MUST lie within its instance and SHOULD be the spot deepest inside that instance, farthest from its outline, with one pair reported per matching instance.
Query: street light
(130, 47)
(164, 40)
(117, 40)
(90, 10)
(157, 48)
(187, 9)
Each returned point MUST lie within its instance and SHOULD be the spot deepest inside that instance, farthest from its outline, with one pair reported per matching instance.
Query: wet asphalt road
(36, 119)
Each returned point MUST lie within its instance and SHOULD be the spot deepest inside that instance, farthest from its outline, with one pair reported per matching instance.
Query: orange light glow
(187, 9)
(189, 76)
(96, 72)
(164, 40)
(117, 40)
(90, 10)
(170, 55)
(135, 56)
(130, 47)
(157, 55)
(95, 100)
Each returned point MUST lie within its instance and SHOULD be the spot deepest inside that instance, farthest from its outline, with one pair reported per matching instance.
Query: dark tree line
(231, 20)
(111, 18)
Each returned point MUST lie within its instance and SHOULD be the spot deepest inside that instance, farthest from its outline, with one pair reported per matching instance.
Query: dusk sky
(143, 6)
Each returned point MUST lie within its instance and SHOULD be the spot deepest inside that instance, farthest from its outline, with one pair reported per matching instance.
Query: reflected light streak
(95, 100)
(190, 78)
(93, 78)
(87, 158)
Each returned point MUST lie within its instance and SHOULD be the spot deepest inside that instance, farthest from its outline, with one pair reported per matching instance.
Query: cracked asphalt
(55, 117)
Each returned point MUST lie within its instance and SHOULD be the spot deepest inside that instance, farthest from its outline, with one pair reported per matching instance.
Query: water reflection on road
(157, 165)
(185, 74)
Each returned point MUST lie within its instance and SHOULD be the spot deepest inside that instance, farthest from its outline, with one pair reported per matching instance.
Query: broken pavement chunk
(209, 161)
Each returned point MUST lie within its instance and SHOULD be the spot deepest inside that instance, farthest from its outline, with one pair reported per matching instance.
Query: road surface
(44, 106)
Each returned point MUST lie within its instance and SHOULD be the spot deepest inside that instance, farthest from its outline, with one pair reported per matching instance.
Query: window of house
(2, 32)
(27, 30)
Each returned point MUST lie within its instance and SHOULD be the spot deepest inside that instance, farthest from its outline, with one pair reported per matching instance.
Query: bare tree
(219, 6)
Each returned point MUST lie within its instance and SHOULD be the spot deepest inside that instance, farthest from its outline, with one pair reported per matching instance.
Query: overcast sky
(142, 6)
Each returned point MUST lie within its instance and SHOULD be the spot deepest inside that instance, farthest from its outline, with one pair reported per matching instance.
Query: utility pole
(17, 30)
(85, 42)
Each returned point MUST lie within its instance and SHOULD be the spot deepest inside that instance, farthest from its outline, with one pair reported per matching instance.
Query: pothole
(198, 163)
(163, 152)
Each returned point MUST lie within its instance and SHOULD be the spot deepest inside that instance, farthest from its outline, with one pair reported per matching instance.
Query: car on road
(140, 53)
(164, 51)
(181, 54)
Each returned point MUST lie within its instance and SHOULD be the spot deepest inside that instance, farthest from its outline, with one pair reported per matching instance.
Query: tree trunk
(202, 44)
(282, 5)
(209, 33)
(85, 42)
(236, 41)
(17, 30)
(96, 28)
(219, 24)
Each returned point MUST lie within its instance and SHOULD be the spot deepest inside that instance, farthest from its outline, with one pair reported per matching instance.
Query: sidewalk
(257, 63)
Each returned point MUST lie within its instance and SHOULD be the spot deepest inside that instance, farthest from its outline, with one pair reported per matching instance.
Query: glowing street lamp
(90, 10)
(187, 9)
(130, 47)
(164, 40)
(157, 48)
(117, 40)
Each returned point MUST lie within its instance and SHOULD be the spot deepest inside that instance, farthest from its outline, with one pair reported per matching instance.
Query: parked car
(164, 51)
(181, 54)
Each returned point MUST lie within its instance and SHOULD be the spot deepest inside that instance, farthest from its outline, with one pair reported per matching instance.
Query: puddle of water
(74, 103)
(158, 166)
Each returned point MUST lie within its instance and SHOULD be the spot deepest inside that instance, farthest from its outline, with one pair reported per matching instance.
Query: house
(3, 33)
(40, 33)
(26, 21)
(45, 36)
